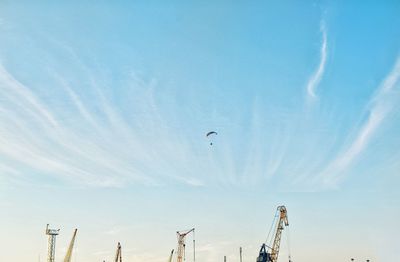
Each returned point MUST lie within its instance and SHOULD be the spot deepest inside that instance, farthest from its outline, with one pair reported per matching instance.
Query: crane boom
(283, 219)
(272, 256)
(118, 254)
(70, 248)
(170, 256)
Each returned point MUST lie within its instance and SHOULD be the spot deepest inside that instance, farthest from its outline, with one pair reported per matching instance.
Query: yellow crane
(68, 256)
(181, 245)
(271, 254)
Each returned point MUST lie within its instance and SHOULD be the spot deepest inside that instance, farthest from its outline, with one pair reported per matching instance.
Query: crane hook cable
(288, 244)
(272, 225)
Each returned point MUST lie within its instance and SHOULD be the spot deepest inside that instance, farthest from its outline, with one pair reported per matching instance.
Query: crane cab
(264, 256)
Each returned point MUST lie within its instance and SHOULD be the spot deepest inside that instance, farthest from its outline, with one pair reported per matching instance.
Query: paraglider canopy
(211, 133)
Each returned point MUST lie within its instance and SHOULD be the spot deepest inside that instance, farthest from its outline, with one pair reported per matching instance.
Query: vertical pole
(224, 258)
(240, 254)
(194, 247)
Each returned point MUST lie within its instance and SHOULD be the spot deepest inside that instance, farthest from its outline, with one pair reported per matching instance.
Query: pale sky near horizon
(104, 109)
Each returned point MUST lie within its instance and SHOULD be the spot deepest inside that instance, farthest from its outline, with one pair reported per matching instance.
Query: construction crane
(68, 256)
(51, 251)
(118, 254)
(170, 256)
(271, 254)
(181, 245)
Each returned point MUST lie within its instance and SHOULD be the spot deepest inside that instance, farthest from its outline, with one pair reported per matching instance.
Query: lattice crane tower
(181, 245)
(52, 233)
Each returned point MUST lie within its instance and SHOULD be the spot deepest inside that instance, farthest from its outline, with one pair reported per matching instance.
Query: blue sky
(104, 111)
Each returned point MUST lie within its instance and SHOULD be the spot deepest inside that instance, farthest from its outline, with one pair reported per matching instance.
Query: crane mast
(70, 248)
(52, 233)
(272, 256)
(181, 244)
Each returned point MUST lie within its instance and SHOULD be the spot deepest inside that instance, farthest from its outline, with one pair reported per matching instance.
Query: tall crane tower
(181, 245)
(51, 251)
(271, 254)
(70, 248)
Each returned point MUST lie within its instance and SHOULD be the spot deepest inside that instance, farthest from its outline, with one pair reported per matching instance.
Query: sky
(105, 107)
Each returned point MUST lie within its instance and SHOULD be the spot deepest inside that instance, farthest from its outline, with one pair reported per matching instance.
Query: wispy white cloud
(20, 94)
(316, 77)
(77, 102)
(381, 104)
(87, 147)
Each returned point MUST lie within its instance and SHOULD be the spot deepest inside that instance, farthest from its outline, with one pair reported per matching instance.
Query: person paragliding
(210, 134)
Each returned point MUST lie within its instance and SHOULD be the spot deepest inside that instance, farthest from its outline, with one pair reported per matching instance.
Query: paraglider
(210, 134)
